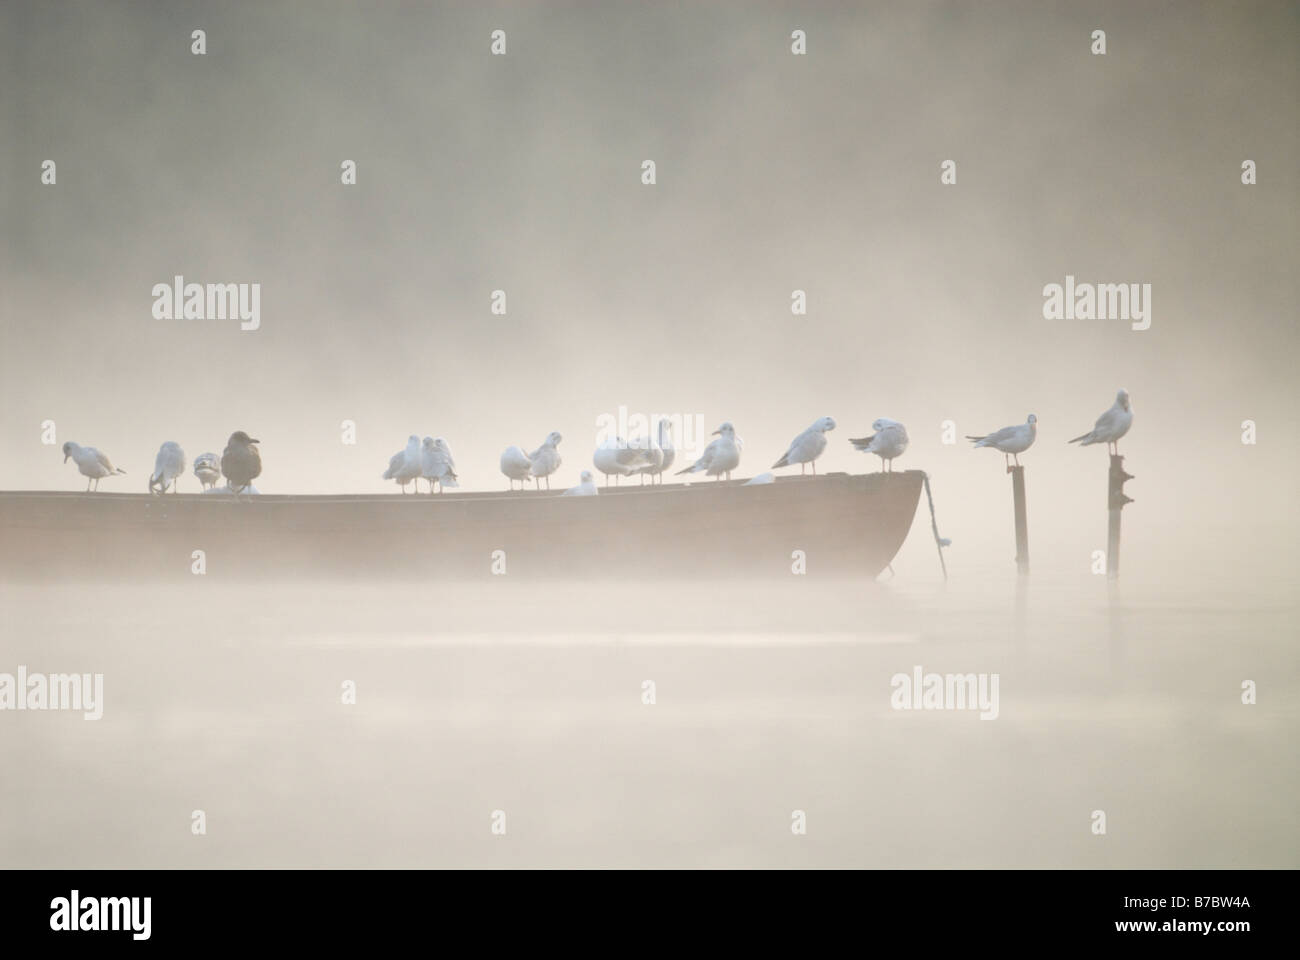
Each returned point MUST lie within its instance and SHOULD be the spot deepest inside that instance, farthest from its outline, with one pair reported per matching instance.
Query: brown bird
(240, 462)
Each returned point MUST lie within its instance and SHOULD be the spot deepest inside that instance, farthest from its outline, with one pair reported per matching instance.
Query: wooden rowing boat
(844, 525)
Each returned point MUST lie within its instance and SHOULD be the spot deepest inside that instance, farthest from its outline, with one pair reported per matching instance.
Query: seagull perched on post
(404, 466)
(1111, 425)
(90, 462)
(207, 467)
(1012, 441)
(545, 460)
(167, 467)
(808, 446)
(241, 462)
(721, 456)
(889, 441)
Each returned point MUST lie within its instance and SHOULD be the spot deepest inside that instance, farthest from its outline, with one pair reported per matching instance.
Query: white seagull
(808, 446)
(404, 466)
(666, 445)
(90, 462)
(617, 458)
(1111, 425)
(587, 488)
(207, 467)
(167, 467)
(436, 465)
(545, 460)
(1012, 441)
(659, 454)
(721, 456)
(889, 441)
(516, 465)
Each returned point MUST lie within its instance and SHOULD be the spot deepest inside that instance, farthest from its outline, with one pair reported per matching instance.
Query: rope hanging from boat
(939, 541)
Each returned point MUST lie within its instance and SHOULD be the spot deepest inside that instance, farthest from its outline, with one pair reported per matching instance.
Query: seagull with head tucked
(92, 464)
(436, 465)
(721, 456)
(1111, 425)
(617, 458)
(1011, 441)
(516, 466)
(889, 441)
(659, 454)
(808, 446)
(167, 467)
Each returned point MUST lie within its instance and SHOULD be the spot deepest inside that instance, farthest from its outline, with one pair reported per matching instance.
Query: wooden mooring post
(1022, 523)
(1115, 500)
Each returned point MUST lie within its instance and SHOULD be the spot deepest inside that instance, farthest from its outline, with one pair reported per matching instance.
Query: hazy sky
(775, 172)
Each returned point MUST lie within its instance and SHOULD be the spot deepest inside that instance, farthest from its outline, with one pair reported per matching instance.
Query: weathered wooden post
(1115, 500)
(1022, 524)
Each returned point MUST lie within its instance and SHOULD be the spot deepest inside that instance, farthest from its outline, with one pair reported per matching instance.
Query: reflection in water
(1115, 620)
(768, 697)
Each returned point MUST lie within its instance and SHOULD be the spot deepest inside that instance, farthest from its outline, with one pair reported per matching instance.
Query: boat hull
(844, 525)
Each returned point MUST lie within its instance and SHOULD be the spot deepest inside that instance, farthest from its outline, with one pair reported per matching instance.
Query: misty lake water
(769, 698)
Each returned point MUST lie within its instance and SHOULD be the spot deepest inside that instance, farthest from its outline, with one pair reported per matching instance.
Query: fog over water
(775, 173)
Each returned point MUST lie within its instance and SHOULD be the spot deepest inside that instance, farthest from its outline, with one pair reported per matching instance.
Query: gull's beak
(65, 457)
(715, 433)
(254, 440)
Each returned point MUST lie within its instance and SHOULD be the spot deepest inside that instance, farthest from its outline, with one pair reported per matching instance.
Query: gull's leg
(814, 468)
